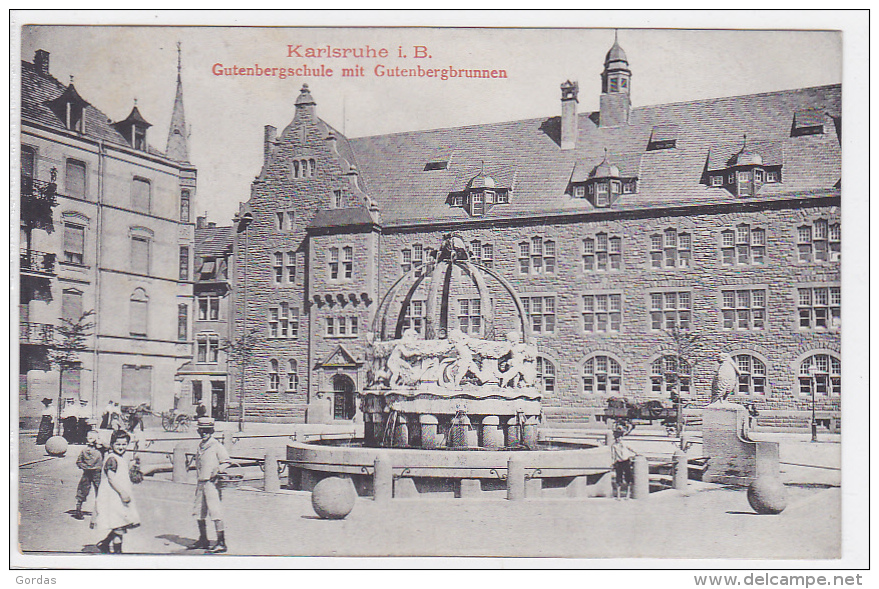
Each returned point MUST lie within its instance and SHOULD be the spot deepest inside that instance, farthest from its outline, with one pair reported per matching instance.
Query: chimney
(331, 141)
(212, 225)
(305, 104)
(353, 178)
(270, 136)
(41, 61)
(569, 114)
(201, 222)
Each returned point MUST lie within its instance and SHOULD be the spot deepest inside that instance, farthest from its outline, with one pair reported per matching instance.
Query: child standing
(211, 459)
(90, 461)
(622, 463)
(115, 512)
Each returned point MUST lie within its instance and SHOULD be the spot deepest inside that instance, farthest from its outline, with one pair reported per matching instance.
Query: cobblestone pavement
(712, 522)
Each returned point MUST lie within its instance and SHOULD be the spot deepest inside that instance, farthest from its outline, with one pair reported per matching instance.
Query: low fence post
(272, 478)
(681, 470)
(383, 479)
(178, 464)
(515, 479)
(642, 478)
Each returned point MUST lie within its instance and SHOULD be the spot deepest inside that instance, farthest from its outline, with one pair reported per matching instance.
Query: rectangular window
(208, 346)
(743, 309)
(487, 255)
(337, 199)
(281, 217)
(138, 318)
(717, 180)
(74, 243)
(524, 257)
(406, 260)
(208, 308)
(196, 392)
(182, 321)
(334, 263)
(669, 310)
(771, 177)
(278, 267)
(184, 206)
(414, 318)
(291, 267)
(184, 262)
(274, 322)
(541, 312)
(602, 312)
(74, 179)
(549, 257)
(348, 261)
(331, 327)
(470, 315)
(819, 307)
(579, 191)
(136, 385)
(140, 255)
(140, 195)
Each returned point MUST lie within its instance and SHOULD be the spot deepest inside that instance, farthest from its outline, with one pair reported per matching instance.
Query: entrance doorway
(343, 397)
(218, 400)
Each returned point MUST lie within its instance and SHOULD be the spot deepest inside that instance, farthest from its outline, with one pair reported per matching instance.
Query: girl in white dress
(115, 512)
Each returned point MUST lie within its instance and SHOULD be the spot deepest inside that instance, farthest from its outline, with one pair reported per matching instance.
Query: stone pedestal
(401, 432)
(492, 436)
(404, 488)
(429, 437)
(732, 457)
(470, 489)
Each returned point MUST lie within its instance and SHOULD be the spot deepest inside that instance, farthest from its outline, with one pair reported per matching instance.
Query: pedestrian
(105, 417)
(90, 461)
(83, 426)
(70, 420)
(211, 461)
(115, 512)
(622, 456)
(47, 422)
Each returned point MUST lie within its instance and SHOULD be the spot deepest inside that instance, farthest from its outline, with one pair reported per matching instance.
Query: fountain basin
(418, 471)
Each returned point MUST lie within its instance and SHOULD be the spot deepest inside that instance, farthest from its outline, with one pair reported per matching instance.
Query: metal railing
(37, 261)
(40, 334)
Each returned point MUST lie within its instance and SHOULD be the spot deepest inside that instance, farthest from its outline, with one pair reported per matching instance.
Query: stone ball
(56, 446)
(333, 498)
(767, 495)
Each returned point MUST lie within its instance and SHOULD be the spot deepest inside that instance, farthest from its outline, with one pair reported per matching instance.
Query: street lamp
(243, 223)
(813, 377)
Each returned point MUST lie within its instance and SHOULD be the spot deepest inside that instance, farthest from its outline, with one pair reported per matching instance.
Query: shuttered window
(140, 195)
(74, 243)
(138, 312)
(140, 255)
(136, 385)
(71, 305)
(74, 179)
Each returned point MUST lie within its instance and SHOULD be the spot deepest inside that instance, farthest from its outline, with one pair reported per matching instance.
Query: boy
(622, 463)
(90, 461)
(211, 460)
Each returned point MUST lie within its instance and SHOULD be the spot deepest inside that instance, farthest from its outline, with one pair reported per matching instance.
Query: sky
(112, 66)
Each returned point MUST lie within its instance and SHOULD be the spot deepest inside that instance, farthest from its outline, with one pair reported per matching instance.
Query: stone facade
(736, 238)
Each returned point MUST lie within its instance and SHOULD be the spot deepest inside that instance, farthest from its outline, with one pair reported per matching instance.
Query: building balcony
(37, 201)
(37, 334)
(40, 263)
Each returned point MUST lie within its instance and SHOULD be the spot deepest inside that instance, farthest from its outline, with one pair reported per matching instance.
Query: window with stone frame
(138, 312)
(141, 196)
(330, 326)
(208, 307)
(602, 253)
(414, 317)
(140, 255)
(602, 312)
(670, 249)
(182, 322)
(405, 260)
(291, 267)
(418, 257)
(537, 256)
(185, 203)
(670, 374)
(540, 311)
(292, 376)
(208, 348)
(670, 310)
(348, 261)
(470, 316)
(752, 375)
(826, 379)
(74, 243)
(74, 179)
(743, 246)
(274, 375)
(545, 375)
(819, 242)
(278, 267)
(284, 321)
(743, 309)
(819, 307)
(334, 263)
(184, 263)
(602, 375)
(482, 253)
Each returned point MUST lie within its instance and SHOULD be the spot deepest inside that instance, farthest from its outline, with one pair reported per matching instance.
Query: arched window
(184, 206)
(274, 376)
(752, 375)
(138, 306)
(545, 375)
(668, 374)
(602, 375)
(293, 377)
(821, 371)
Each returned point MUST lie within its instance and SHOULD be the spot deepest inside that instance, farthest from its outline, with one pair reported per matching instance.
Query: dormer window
(480, 194)
(717, 180)
(140, 139)
(615, 187)
(69, 108)
(489, 197)
(438, 165)
(663, 137)
(807, 122)
(771, 177)
(502, 198)
(458, 200)
(601, 197)
(579, 191)
(134, 129)
(758, 175)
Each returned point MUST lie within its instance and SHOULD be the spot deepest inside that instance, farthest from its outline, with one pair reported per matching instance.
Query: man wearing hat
(47, 422)
(211, 459)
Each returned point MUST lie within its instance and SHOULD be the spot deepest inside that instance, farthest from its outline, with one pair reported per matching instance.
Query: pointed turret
(178, 148)
(616, 87)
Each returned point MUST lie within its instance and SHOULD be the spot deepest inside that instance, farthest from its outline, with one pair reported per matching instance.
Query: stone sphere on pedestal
(56, 446)
(333, 498)
(767, 495)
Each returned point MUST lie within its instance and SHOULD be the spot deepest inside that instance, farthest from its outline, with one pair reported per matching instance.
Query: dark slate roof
(214, 242)
(708, 132)
(346, 217)
(37, 90)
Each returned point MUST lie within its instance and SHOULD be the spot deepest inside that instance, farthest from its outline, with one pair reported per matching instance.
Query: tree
(239, 351)
(690, 348)
(71, 340)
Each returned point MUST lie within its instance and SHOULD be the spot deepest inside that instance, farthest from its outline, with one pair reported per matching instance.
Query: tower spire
(178, 147)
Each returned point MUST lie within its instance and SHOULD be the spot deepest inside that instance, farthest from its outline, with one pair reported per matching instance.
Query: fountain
(446, 410)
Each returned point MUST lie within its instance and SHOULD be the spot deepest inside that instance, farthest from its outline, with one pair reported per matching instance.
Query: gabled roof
(339, 357)
(214, 242)
(38, 90)
(392, 166)
(338, 218)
